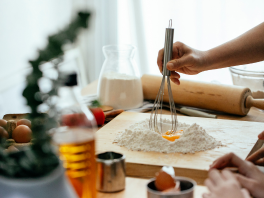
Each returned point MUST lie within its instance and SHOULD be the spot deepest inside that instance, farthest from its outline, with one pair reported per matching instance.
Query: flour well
(120, 91)
(140, 138)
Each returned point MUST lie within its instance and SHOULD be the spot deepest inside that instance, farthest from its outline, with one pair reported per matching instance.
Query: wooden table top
(136, 187)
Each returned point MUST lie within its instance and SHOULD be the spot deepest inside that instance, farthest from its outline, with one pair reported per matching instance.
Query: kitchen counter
(136, 187)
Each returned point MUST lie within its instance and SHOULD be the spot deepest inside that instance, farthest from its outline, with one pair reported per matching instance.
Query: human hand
(258, 157)
(224, 184)
(250, 176)
(184, 60)
(261, 135)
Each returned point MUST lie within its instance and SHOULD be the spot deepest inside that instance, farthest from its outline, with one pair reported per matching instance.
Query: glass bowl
(251, 76)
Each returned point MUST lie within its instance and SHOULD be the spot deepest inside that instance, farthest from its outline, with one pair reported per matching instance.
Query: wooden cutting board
(236, 136)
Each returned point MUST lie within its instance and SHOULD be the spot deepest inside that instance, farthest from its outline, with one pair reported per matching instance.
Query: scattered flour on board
(140, 138)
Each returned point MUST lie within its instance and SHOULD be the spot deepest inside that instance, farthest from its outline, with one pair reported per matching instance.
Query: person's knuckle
(233, 184)
(206, 182)
(174, 62)
(178, 44)
(212, 172)
(249, 164)
(252, 186)
(192, 58)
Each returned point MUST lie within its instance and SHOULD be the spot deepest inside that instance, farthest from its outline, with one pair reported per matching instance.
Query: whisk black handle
(168, 49)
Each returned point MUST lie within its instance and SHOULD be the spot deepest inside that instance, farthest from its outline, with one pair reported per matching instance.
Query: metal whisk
(157, 107)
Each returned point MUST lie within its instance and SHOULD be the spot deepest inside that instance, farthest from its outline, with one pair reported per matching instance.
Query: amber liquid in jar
(77, 151)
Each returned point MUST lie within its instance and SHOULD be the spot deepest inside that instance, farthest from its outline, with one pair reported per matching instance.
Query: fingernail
(169, 65)
(175, 80)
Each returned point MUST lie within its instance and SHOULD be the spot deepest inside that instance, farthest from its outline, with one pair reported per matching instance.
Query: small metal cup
(186, 184)
(111, 172)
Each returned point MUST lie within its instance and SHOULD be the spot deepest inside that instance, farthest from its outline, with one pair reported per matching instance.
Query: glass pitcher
(119, 82)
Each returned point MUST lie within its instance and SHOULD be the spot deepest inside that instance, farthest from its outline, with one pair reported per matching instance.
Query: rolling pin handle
(251, 102)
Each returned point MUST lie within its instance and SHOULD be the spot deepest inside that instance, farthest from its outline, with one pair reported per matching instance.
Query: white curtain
(201, 24)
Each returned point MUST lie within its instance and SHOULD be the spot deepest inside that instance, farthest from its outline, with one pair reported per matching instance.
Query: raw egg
(22, 134)
(164, 181)
(3, 133)
(24, 122)
(169, 135)
(3, 123)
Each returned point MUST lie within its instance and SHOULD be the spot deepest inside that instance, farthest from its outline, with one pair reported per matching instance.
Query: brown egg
(176, 189)
(164, 181)
(3, 133)
(3, 123)
(22, 134)
(24, 122)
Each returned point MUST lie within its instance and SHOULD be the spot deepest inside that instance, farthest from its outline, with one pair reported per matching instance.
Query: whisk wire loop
(172, 107)
(155, 123)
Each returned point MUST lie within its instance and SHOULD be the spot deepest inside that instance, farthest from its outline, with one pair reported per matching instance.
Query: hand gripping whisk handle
(168, 48)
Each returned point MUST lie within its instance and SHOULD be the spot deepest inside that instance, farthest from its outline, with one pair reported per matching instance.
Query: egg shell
(164, 181)
(176, 189)
(24, 122)
(3, 133)
(22, 134)
(3, 123)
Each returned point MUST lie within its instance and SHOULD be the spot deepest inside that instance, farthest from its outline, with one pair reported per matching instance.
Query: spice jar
(119, 82)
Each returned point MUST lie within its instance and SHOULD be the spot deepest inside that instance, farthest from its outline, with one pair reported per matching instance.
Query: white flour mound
(139, 137)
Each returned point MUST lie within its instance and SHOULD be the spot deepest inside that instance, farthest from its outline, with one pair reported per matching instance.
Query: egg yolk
(169, 135)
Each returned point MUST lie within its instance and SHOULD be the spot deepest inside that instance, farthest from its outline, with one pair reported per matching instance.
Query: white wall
(25, 25)
(24, 28)
(201, 24)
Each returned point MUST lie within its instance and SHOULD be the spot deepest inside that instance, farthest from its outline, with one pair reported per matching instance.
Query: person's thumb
(245, 182)
(176, 64)
(245, 193)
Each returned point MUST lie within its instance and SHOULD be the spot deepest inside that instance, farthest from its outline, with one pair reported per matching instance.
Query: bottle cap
(71, 80)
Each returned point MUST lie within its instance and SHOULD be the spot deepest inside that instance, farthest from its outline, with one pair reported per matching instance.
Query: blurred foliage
(39, 159)
(95, 103)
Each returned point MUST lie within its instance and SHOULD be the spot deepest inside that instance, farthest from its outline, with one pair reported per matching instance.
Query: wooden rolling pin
(226, 98)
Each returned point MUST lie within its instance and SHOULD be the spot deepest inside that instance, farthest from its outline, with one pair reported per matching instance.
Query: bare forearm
(245, 49)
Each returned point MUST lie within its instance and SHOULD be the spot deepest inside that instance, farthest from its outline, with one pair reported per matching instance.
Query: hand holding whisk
(155, 122)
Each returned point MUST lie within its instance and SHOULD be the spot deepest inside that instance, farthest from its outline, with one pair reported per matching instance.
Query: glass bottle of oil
(76, 139)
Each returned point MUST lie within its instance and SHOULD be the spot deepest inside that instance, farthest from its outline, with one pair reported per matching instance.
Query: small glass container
(251, 76)
(119, 82)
